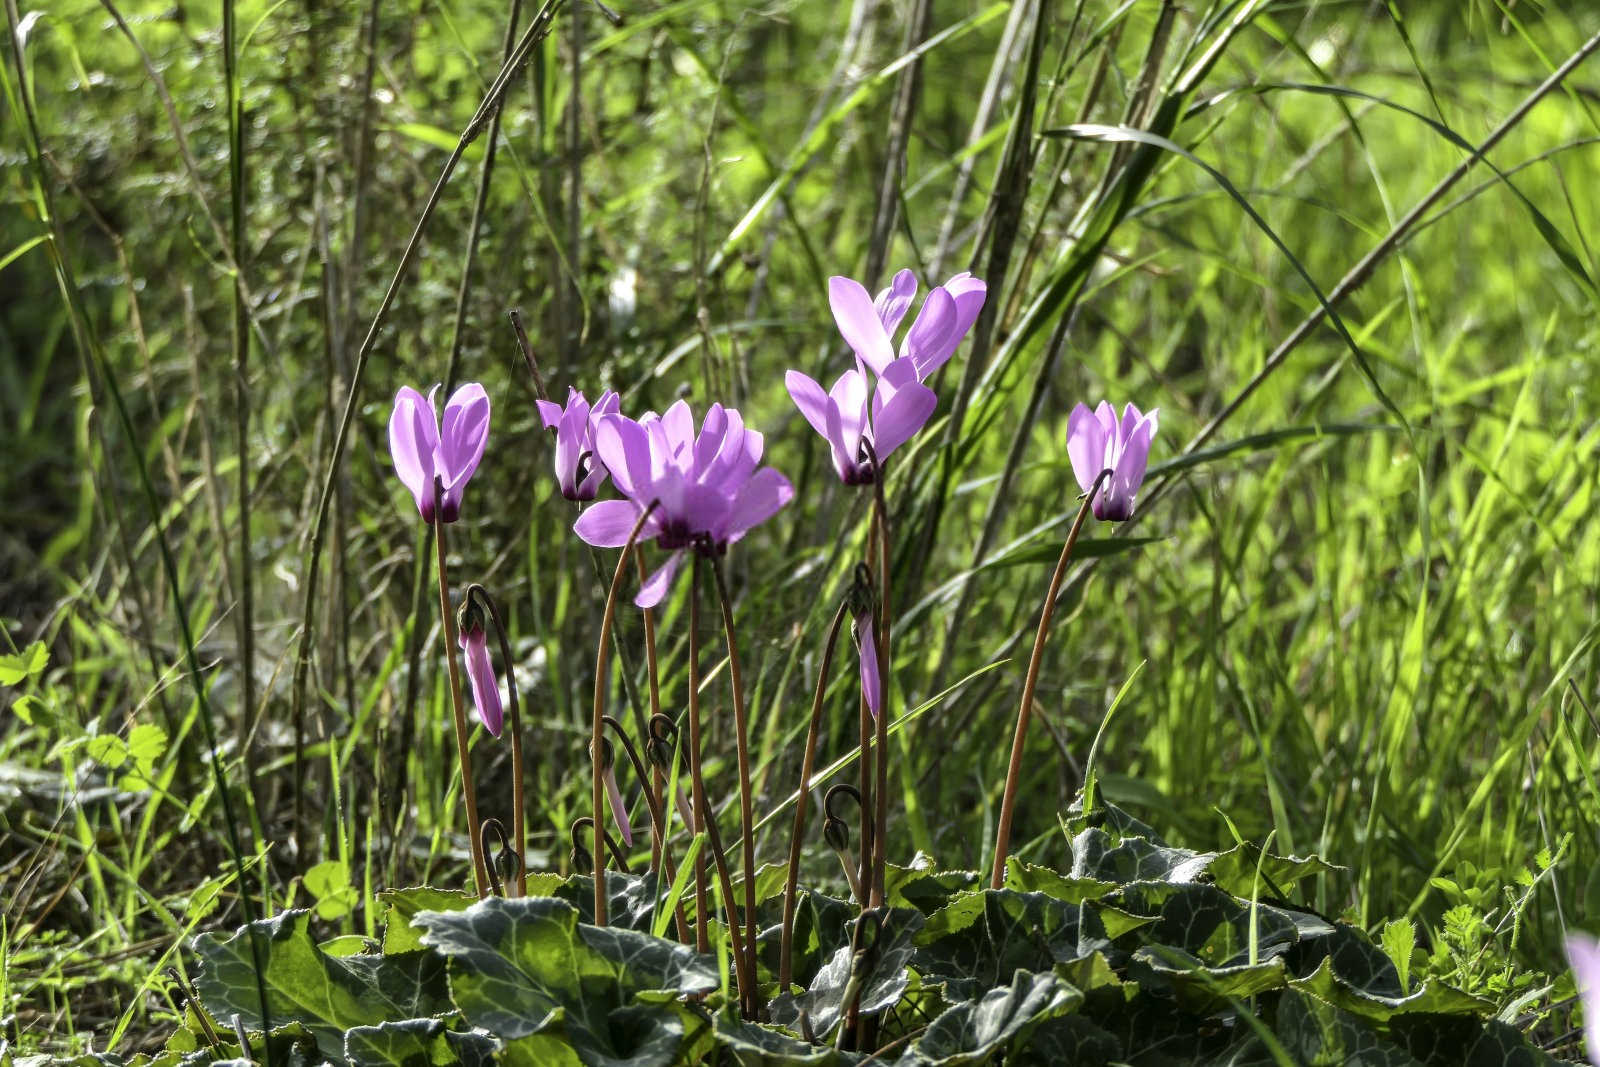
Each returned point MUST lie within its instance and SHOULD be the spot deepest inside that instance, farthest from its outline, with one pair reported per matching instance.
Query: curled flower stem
(863, 950)
(741, 721)
(508, 857)
(469, 793)
(786, 950)
(658, 824)
(1002, 839)
(707, 820)
(580, 851)
(836, 832)
(519, 834)
(598, 776)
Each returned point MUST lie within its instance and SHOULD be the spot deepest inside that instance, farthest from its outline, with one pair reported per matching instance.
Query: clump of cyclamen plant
(871, 410)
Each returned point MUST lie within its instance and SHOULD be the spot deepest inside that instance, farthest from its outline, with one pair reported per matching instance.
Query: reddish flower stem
(707, 819)
(596, 746)
(741, 722)
(807, 762)
(447, 622)
(1002, 839)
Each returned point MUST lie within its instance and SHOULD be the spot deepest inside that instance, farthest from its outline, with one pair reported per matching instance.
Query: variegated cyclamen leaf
(975, 1031)
(418, 1043)
(981, 938)
(527, 967)
(883, 979)
(329, 995)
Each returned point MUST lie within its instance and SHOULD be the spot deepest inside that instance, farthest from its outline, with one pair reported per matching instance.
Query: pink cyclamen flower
(1098, 441)
(578, 469)
(858, 432)
(868, 325)
(423, 450)
(706, 489)
(480, 671)
(1584, 954)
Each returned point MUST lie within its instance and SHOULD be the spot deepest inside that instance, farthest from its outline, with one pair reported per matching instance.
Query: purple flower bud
(423, 451)
(1098, 441)
(871, 680)
(485, 686)
(619, 810)
(578, 469)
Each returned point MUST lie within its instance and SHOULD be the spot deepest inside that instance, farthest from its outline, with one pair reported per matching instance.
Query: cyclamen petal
(1583, 952)
(858, 322)
(892, 304)
(463, 433)
(905, 413)
(969, 293)
(932, 338)
(411, 450)
(762, 497)
(871, 678)
(549, 412)
(808, 396)
(1086, 445)
(607, 523)
(624, 447)
(655, 588)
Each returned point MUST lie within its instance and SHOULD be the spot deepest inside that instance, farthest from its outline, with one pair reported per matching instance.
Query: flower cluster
(862, 421)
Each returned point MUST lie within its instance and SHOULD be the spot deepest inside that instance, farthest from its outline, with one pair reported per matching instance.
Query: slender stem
(747, 821)
(595, 750)
(469, 792)
(864, 769)
(519, 835)
(880, 831)
(1002, 840)
(707, 819)
(656, 782)
(241, 371)
(785, 952)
